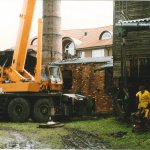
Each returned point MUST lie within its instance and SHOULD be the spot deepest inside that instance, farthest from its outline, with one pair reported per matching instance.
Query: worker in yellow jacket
(144, 98)
(140, 117)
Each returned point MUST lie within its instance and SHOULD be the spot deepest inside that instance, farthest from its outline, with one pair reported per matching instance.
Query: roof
(84, 41)
(86, 60)
(92, 37)
(105, 66)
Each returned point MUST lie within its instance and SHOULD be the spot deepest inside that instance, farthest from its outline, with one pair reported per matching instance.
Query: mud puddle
(82, 140)
(16, 140)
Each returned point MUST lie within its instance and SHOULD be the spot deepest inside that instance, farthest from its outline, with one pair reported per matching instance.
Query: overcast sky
(75, 15)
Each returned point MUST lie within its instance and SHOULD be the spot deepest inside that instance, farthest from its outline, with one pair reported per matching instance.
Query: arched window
(105, 35)
(70, 47)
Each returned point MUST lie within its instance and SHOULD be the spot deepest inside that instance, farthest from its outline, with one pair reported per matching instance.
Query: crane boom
(20, 51)
(17, 78)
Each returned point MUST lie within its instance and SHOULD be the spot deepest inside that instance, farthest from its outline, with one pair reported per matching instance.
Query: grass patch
(118, 135)
(109, 128)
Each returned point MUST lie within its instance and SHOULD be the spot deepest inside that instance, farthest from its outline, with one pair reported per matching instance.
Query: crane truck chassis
(19, 107)
(24, 96)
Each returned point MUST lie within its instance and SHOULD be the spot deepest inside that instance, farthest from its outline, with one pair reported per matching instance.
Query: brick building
(91, 77)
(86, 74)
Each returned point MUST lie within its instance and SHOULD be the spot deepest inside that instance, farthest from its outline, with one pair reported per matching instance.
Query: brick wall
(90, 83)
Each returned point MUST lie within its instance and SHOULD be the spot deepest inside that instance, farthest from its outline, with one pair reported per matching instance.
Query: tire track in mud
(83, 140)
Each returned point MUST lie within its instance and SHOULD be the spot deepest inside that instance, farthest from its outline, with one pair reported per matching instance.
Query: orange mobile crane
(24, 96)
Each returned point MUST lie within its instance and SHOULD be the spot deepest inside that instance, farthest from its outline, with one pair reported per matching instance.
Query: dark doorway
(108, 79)
(67, 78)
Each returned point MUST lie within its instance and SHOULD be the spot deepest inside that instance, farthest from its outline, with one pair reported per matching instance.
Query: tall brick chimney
(52, 37)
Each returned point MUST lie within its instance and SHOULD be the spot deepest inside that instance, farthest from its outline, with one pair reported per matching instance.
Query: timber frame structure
(131, 52)
(131, 46)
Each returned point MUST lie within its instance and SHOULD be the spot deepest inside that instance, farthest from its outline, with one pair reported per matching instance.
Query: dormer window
(105, 35)
(85, 33)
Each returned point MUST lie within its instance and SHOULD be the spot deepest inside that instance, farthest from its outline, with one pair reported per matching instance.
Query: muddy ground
(14, 139)
(15, 136)
(82, 140)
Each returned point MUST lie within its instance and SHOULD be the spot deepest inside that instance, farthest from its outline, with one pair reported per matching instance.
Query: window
(105, 35)
(81, 54)
(85, 33)
(70, 47)
(44, 74)
(98, 53)
(54, 74)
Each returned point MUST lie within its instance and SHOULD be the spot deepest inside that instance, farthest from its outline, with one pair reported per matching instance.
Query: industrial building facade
(131, 42)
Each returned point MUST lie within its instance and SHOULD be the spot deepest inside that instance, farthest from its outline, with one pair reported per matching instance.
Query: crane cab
(52, 78)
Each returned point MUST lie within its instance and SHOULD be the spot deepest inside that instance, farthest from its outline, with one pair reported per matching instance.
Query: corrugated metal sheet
(133, 25)
(137, 20)
(86, 60)
(107, 65)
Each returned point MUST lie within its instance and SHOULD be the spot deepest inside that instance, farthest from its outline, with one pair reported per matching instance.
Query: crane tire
(18, 109)
(41, 110)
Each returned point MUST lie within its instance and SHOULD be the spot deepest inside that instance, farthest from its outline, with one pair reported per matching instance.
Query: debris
(51, 124)
(119, 134)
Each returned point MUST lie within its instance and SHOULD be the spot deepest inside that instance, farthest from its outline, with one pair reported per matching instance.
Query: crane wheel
(18, 110)
(41, 110)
